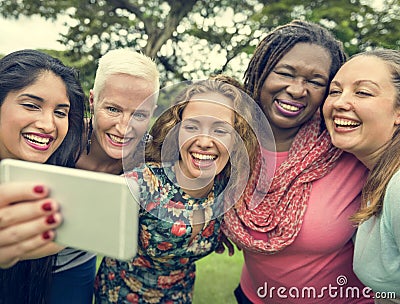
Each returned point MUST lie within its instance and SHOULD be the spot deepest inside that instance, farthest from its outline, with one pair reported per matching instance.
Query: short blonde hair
(125, 61)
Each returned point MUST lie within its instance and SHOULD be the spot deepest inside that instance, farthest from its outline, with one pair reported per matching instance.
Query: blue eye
(190, 128)
(221, 131)
(112, 109)
(140, 116)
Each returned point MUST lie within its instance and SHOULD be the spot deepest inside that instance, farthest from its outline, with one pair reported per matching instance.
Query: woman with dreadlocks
(294, 229)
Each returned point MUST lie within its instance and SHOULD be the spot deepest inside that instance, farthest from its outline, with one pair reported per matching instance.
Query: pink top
(317, 266)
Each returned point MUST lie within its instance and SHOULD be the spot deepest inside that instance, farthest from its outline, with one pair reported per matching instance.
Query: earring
(89, 135)
(147, 138)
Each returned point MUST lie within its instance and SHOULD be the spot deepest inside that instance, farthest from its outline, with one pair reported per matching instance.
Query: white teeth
(203, 156)
(37, 139)
(289, 107)
(117, 139)
(345, 122)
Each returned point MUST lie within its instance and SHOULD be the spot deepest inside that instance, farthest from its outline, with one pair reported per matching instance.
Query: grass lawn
(216, 278)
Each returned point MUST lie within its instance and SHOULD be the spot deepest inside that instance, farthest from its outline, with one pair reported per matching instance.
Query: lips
(202, 160)
(38, 141)
(289, 108)
(118, 140)
(346, 123)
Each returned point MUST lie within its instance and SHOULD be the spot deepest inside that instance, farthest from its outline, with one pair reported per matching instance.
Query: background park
(191, 39)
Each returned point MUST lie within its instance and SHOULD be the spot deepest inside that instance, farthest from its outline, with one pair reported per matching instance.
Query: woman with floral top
(181, 192)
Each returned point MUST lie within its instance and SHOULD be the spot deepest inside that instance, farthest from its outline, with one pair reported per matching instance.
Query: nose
(204, 141)
(46, 122)
(297, 88)
(342, 102)
(124, 124)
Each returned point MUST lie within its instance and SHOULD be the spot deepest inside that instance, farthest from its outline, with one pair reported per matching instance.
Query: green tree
(193, 38)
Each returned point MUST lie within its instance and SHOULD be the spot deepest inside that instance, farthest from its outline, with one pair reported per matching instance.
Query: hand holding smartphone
(100, 211)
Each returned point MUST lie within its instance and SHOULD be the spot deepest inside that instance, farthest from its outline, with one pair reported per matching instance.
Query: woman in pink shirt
(294, 229)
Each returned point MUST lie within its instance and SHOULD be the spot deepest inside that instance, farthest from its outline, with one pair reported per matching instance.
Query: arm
(225, 242)
(391, 207)
(27, 220)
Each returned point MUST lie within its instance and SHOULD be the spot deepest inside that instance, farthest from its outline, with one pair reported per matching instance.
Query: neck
(196, 187)
(97, 160)
(369, 160)
(284, 138)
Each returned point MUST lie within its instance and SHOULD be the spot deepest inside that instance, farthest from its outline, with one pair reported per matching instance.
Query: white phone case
(100, 212)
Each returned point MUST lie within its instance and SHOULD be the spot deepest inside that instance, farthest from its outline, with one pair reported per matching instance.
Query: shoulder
(394, 183)
(392, 194)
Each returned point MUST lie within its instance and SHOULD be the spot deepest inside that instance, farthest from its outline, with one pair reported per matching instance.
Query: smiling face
(34, 120)
(295, 88)
(121, 116)
(360, 110)
(206, 135)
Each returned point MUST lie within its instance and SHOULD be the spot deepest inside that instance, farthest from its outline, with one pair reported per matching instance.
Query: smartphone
(100, 212)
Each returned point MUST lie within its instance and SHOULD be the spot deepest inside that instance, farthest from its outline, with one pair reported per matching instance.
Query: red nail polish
(47, 206)
(50, 219)
(38, 189)
(46, 235)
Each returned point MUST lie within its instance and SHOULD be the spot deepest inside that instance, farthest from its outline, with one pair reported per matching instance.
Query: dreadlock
(279, 42)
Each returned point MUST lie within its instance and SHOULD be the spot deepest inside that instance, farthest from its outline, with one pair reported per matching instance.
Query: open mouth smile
(203, 160)
(346, 123)
(289, 108)
(38, 141)
(119, 141)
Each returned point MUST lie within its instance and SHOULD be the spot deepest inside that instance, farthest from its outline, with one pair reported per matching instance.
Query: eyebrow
(116, 105)
(358, 82)
(219, 122)
(40, 99)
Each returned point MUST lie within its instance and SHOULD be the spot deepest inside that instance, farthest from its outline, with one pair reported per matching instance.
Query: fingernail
(46, 235)
(50, 219)
(47, 206)
(38, 189)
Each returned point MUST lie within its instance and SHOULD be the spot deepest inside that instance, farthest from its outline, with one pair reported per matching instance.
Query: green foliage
(191, 39)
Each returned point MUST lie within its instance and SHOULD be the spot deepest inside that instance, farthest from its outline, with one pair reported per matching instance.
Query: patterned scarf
(280, 212)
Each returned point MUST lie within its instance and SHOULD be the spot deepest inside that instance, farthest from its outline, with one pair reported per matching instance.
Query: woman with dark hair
(294, 230)
(41, 120)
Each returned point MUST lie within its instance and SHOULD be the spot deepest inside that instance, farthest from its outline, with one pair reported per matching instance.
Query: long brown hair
(173, 116)
(388, 163)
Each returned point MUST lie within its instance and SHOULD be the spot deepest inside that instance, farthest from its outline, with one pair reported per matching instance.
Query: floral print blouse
(163, 270)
